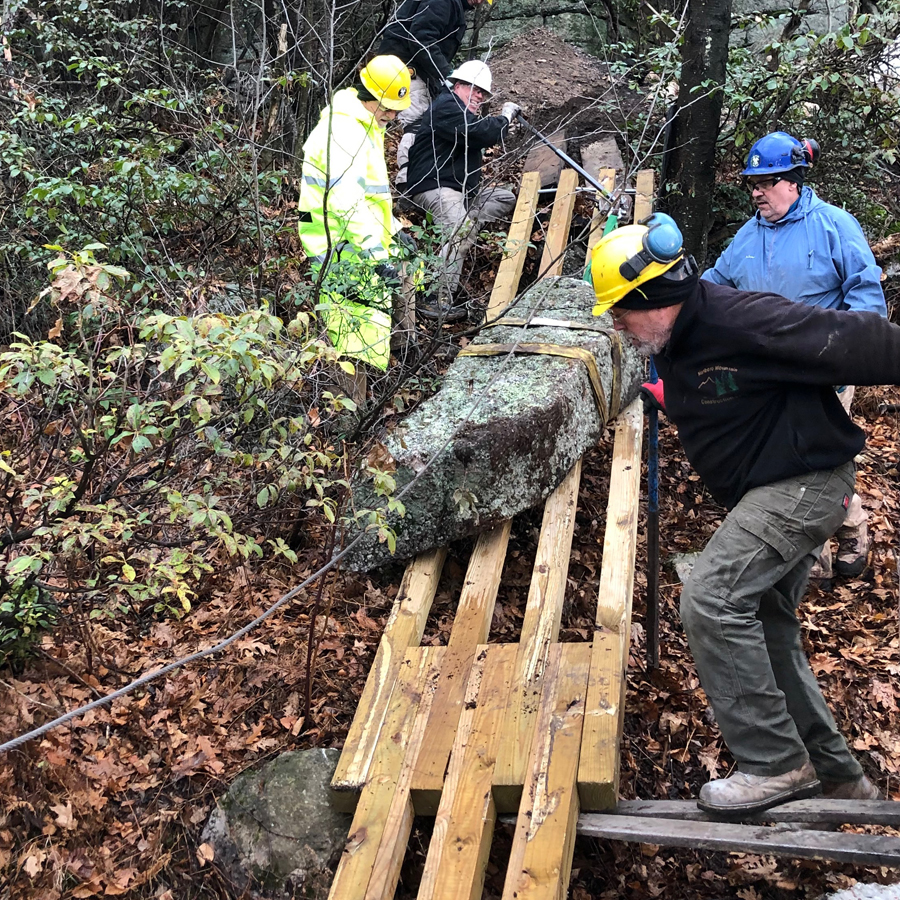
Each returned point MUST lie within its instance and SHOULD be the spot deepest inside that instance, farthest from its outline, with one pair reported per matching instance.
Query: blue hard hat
(778, 152)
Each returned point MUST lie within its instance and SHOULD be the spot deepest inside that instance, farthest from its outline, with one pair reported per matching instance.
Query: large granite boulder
(276, 832)
(504, 429)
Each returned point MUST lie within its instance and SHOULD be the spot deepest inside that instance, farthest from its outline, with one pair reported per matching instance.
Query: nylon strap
(603, 408)
(541, 321)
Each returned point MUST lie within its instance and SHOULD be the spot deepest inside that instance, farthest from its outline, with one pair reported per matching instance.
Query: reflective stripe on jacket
(817, 254)
(344, 171)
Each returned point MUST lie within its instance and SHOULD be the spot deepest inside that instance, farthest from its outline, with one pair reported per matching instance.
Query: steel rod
(653, 534)
(566, 159)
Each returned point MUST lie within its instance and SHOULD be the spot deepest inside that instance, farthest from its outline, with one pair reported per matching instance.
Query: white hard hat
(473, 72)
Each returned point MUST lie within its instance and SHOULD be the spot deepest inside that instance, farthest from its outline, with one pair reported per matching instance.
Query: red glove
(653, 396)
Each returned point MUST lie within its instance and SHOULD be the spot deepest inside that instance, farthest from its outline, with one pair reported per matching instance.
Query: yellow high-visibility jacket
(344, 181)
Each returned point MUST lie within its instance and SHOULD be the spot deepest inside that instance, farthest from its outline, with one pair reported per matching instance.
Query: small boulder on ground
(275, 833)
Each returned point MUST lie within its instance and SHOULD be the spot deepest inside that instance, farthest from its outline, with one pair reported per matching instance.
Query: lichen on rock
(503, 431)
(276, 832)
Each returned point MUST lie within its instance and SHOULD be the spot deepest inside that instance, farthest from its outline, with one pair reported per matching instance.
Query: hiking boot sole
(801, 792)
(851, 570)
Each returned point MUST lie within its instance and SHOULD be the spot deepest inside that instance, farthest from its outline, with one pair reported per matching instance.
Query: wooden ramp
(472, 731)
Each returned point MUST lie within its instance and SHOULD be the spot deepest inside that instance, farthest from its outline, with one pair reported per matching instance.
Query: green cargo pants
(739, 612)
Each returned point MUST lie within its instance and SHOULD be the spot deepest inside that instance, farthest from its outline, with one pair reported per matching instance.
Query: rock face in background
(582, 24)
(507, 429)
(276, 829)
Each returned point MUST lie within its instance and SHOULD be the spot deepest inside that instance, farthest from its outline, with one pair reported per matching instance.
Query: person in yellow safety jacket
(346, 210)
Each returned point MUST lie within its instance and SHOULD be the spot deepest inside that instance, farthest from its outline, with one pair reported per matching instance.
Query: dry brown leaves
(114, 804)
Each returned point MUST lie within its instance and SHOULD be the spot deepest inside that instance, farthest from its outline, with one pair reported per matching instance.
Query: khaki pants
(460, 222)
(739, 613)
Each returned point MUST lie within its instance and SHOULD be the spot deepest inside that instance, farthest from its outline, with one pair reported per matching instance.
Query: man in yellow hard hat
(426, 35)
(345, 210)
(749, 385)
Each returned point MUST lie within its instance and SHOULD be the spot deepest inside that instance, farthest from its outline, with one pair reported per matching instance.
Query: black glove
(653, 396)
(389, 275)
(406, 241)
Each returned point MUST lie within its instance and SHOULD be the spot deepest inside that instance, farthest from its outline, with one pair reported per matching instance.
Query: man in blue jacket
(811, 252)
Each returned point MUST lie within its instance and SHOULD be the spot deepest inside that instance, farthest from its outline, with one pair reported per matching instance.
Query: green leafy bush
(151, 450)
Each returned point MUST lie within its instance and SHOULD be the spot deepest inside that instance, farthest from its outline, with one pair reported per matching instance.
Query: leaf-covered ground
(113, 805)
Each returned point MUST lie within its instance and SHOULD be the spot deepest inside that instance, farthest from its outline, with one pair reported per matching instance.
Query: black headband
(662, 291)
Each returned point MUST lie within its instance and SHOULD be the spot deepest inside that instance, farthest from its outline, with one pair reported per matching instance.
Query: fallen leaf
(64, 817)
(34, 862)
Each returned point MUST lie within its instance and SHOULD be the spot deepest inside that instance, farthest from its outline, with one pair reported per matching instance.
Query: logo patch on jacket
(717, 384)
(846, 503)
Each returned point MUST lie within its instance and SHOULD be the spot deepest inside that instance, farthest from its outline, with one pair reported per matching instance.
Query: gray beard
(649, 348)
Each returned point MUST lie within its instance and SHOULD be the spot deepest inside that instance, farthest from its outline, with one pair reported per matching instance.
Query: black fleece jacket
(426, 35)
(449, 146)
(749, 383)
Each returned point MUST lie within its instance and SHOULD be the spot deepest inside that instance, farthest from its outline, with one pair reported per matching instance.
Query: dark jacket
(426, 35)
(449, 145)
(749, 383)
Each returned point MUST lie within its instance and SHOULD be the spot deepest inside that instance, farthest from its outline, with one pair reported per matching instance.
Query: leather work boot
(743, 794)
(822, 572)
(853, 549)
(861, 789)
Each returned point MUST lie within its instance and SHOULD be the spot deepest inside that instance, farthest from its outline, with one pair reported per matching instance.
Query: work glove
(653, 396)
(407, 242)
(510, 110)
(389, 275)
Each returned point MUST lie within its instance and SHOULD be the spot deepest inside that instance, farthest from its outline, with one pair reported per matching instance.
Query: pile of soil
(557, 85)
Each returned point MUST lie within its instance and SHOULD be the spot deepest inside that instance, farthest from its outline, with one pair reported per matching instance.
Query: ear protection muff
(662, 243)
(807, 154)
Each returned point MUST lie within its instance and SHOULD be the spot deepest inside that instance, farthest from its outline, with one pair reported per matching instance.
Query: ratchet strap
(606, 411)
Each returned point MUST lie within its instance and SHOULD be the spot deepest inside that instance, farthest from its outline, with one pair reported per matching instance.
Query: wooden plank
(560, 221)
(643, 197)
(544, 161)
(384, 812)
(540, 859)
(602, 154)
(614, 594)
(860, 849)
(404, 629)
(399, 820)
(598, 775)
(470, 628)
(607, 179)
(818, 811)
(461, 840)
(516, 246)
(540, 629)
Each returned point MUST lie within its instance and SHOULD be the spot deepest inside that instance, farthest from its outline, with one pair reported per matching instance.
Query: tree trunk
(692, 146)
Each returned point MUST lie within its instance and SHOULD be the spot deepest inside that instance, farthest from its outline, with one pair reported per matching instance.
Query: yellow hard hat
(387, 79)
(627, 257)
